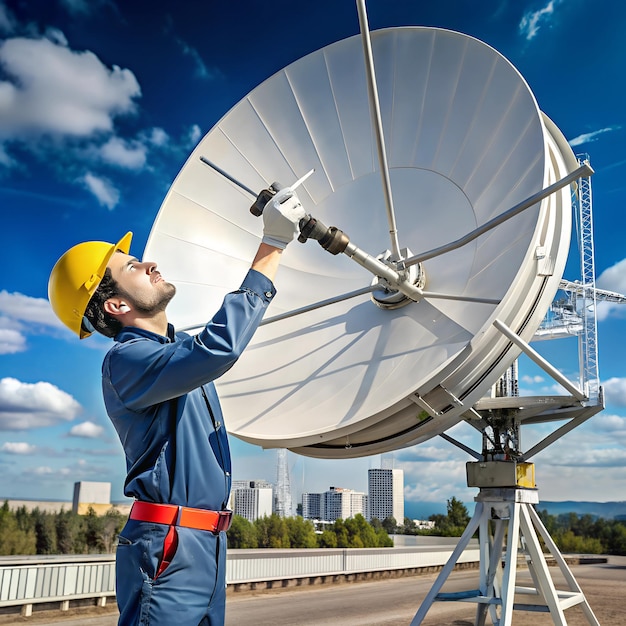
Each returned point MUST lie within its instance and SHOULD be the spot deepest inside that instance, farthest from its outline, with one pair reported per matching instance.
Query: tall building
(283, 506)
(312, 506)
(340, 503)
(252, 499)
(385, 494)
(96, 496)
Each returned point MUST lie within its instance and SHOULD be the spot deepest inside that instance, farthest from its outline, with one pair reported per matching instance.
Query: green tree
(271, 532)
(354, 532)
(24, 518)
(70, 538)
(570, 542)
(454, 522)
(367, 536)
(92, 532)
(112, 525)
(457, 513)
(242, 533)
(409, 527)
(390, 525)
(384, 540)
(14, 540)
(341, 532)
(301, 532)
(45, 531)
(328, 539)
(355, 540)
(616, 539)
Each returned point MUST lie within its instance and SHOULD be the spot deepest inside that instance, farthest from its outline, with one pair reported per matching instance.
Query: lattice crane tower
(283, 505)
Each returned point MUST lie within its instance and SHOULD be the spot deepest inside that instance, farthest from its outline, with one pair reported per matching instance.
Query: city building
(252, 499)
(385, 494)
(336, 503)
(312, 506)
(94, 495)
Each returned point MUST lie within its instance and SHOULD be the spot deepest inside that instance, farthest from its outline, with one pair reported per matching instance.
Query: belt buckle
(223, 521)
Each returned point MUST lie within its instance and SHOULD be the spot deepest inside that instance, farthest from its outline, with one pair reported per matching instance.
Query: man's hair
(104, 323)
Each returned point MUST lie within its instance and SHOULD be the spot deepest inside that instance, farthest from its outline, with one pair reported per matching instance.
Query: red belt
(173, 515)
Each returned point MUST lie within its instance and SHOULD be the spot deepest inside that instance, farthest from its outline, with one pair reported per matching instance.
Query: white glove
(281, 217)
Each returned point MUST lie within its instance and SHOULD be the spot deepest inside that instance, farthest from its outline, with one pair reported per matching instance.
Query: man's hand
(281, 217)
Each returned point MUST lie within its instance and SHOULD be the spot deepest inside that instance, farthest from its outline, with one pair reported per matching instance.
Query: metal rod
(462, 446)
(319, 305)
(378, 127)
(555, 435)
(228, 176)
(301, 180)
(583, 171)
(304, 309)
(447, 296)
(539, 360)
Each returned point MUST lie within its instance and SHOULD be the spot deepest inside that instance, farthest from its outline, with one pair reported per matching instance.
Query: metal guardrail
(25, 581)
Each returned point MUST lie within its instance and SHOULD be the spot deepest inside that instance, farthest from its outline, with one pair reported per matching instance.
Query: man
(159, 394)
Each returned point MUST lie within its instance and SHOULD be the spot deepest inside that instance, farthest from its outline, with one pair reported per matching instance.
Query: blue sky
(102, 101)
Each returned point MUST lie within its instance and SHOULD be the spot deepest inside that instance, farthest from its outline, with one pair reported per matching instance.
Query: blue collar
(132, 332)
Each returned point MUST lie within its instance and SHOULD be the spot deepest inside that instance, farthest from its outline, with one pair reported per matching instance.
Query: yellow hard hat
(76, 276)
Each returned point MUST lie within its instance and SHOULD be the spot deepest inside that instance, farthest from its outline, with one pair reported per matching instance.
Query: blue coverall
(159, 394)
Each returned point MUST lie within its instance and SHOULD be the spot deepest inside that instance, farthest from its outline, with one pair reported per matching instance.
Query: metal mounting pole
(378, 127)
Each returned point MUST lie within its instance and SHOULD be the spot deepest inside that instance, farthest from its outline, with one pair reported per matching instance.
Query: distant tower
(386, 494)
(283, 506)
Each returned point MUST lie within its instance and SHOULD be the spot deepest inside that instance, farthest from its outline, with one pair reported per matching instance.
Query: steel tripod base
(512, 515)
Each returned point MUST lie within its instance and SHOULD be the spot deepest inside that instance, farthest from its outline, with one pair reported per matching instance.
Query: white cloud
(201, 69)
(158, 137)
(24, 406)
(194, 135)
(103, 189)
(5, 159)
(11, 341)
(593, 136)
(435, 482)
(615, 390)
(532, 20)
(126, 154)
(87, 430)
(612, 279)
(45, 471)
(20, 315)
(58, 91)
(532, 380)
(24, 308)
(18, 447)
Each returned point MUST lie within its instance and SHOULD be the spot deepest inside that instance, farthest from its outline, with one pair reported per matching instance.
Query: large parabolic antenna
(465, 143)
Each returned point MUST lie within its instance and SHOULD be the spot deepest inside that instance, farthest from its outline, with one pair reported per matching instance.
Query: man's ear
(116, 306)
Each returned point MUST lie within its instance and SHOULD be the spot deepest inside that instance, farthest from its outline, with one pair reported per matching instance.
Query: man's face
(140, 283)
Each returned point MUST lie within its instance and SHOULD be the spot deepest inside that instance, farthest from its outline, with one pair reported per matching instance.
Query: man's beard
(155, 305)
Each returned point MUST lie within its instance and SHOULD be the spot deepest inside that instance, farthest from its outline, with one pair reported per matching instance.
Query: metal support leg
(516, 524)
(449, 566)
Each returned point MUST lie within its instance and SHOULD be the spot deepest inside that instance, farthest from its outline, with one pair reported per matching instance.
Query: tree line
(296, 532)
(24, 532)
(572, 533)
(27, 532)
